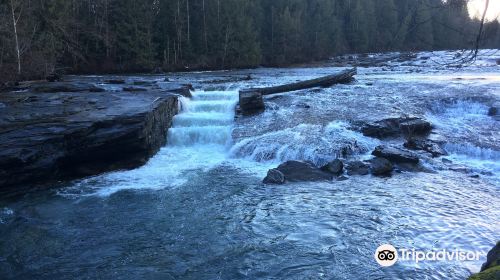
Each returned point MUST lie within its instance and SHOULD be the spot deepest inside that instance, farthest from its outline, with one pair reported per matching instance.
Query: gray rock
(393, 127)
(81, 138)
(381, 166)
(425, 145)
(299, 171)
(357, 168)
(48, 87)
(335, 167)
(144, 83)
(251, 102)
(274, 177)
(134, 89)
(395, 155)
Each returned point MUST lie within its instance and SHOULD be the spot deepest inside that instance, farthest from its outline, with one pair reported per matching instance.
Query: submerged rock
(274, 177)
(393, 127)
(493, 111)
(395, 155)
(381, 166)
(357, 168)
(335, 167)
(300, 171)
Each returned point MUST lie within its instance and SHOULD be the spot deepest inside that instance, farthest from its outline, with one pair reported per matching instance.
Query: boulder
(335, 167)
(251, 102)
(395, 155)
(299, 171)
(274, 177)
(65, 87)
(425, 145)
(380, 166)
(357, 168)
(393, 127)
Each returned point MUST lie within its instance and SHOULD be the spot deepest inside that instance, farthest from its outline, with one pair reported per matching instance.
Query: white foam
(199, 140)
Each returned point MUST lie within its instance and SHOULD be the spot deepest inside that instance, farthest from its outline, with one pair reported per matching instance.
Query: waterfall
(206, 119)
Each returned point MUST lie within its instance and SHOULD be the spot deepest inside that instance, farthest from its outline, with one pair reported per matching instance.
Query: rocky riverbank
(65, 130)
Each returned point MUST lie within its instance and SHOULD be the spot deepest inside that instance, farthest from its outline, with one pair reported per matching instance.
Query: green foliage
(130, 35)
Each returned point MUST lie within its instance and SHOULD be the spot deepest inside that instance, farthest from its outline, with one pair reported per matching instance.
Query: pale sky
(476, 8)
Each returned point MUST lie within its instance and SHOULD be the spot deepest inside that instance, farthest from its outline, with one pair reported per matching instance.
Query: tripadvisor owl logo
(386, 255)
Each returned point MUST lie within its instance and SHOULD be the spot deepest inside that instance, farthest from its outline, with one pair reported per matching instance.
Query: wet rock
(493, 111)
(342, 178)
(299, 171)
(92, 133)
(380, 166)
(392, 127)
(425, 145)
(134, 89)
(357, 168)
(144, 83)
(335, 167)
(274, 177)
(395, 155)
(115, 82)
(65, 87)
(251, 102)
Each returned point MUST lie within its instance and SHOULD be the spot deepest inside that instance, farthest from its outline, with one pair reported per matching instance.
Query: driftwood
(251, 100)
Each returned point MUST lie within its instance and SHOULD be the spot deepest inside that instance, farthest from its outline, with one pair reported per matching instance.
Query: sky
(476, 8)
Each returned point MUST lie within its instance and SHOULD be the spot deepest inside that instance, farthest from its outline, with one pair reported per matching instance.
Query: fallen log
(251, 100)
(343, 77)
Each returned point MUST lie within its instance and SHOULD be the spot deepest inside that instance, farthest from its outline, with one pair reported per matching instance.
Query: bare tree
(14, 6)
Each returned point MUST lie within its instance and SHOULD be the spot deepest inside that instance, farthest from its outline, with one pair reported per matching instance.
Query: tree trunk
(251, 101)
(326, 81)
(188, 23)
(18, 50)
(205, 28)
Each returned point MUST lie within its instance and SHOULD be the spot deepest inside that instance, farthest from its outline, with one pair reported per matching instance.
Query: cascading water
(199, 139)
(206, 119)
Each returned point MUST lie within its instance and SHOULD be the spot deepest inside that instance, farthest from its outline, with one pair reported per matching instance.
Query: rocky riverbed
(406, 155)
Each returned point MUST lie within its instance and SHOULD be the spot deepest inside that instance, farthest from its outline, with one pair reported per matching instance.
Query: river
(198, 209)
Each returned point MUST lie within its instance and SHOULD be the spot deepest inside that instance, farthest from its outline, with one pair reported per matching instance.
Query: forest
(39, 37)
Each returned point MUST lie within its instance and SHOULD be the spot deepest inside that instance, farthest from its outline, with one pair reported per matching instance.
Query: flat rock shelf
(46, 137)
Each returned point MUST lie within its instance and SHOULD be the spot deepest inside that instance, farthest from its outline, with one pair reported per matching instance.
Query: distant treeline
(38, 37)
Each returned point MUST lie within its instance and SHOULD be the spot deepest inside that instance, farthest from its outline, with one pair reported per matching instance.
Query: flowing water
(198, 209)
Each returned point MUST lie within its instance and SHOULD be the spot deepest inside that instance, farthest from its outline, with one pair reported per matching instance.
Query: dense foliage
(132, 35)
